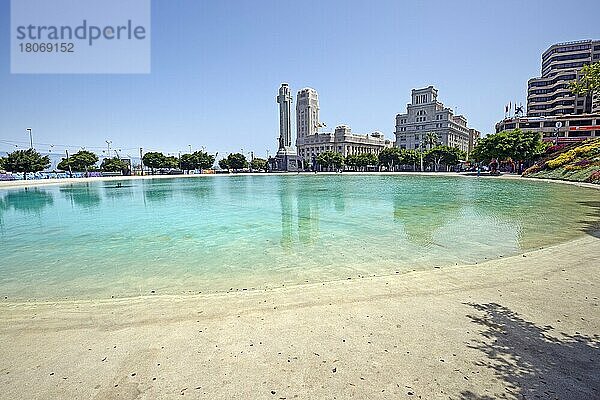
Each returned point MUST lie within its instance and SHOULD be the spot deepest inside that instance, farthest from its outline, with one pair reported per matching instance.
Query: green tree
(188, 162)
(409, 157)
(351, 160)
(154, 160)
(588, 83)
(431, 140)
(171, 162)
(259, 164)
(390, 157)
(237, 161)
(224, 164)
(2, 161)
(114, 164)
(197, 160)
(26, 161)
(330, 159)
(515, 144)
(204, 160)
(80, 161)
(366, 159)
(444, 155)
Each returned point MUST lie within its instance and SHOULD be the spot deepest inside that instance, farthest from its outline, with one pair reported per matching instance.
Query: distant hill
(579, 162)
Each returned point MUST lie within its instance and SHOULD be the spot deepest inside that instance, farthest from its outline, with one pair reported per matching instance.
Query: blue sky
(217, 66)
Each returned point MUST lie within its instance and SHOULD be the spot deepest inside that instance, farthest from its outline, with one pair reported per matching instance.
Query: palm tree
(431, 140)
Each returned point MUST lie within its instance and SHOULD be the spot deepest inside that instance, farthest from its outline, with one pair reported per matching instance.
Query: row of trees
(26, 161)
(515, 145)
(238, 161)
(392, 158)
(187, 162)
(85, 161)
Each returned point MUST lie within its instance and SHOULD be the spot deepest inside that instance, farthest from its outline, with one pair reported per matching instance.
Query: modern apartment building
(310, 142)
(426, 114)
(549, 99)
(549, 95)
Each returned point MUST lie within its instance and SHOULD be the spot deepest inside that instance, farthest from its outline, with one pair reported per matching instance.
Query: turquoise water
(219, 233)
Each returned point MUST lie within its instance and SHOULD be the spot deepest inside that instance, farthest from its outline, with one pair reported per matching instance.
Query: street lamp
(108, 142)
(558, 125)
(421, 154)
(190, 146)
(30, 138)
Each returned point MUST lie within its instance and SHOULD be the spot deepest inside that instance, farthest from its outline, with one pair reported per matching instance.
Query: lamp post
(108, 142)
(190, 146)
(558, 125)
(30, 138)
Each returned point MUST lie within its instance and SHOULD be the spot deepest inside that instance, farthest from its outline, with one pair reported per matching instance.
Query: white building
(426, 114)
(550, 94)
(310, 142)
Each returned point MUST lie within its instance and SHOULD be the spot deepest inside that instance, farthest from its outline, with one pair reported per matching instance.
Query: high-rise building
(310, 142)
(549, 95)
(307, 112)
(552, 109)
(426, 114)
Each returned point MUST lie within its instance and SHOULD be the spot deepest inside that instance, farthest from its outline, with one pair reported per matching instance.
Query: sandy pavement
(521, 327)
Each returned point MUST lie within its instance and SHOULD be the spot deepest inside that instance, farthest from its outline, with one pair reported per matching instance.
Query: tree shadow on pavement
(533, 364)
(592, 224)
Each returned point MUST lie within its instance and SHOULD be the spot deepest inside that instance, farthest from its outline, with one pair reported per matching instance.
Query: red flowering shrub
(555, 148)
(594, 177)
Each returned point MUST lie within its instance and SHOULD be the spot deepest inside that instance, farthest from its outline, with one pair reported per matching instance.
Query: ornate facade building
(426, 114)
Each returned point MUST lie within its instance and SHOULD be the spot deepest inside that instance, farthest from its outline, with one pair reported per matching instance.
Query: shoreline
(289, 286)
(431, 333)
(62, 181)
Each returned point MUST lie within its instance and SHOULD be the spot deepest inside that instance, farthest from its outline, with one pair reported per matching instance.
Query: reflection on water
(118, 190)
(214, 233)
(84, 195)
(28, 200)
(157, 190)
(307, 201)
(308, 219)
(423, 212)
(201, 191)
(285, 198)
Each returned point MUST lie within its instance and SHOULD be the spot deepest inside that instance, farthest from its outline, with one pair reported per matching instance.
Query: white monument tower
(285, 121)
(286, 158)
